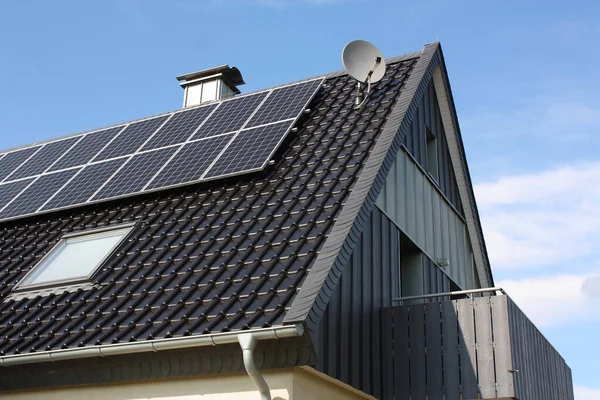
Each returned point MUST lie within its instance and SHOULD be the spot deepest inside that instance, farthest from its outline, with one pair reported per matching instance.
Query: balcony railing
(474, 348)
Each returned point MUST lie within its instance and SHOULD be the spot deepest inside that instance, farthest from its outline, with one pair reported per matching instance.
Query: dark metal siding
(434, 280)
(352, 337)
(428, 117)
(543, 373)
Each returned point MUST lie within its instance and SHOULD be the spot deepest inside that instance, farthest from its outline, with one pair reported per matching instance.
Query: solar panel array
(230, 137)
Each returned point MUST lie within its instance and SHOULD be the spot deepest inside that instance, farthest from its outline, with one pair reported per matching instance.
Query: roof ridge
(330, 75)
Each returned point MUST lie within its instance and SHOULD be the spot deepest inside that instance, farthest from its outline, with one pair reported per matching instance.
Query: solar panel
(9, 190)
(131, 139)
(43, 159)
(225, 138)
(37, 194)
(86, 149)
(190, 163)
(180, 127)
(230, 116)
(12, 161)
(85, 184)
(285, 103)
(134, 176)
(250, 150)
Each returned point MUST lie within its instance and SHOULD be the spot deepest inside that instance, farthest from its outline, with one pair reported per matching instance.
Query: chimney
(210, 84)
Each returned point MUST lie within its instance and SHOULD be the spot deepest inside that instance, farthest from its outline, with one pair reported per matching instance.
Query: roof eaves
(212, 339)
(310, 303)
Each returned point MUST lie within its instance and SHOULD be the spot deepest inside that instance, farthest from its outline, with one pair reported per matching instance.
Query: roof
(246, 252)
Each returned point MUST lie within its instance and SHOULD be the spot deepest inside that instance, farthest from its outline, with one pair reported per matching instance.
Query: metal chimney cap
(231, 75)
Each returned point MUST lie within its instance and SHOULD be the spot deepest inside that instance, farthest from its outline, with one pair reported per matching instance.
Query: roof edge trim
(310, 303)
(213, 339)
(461, 170)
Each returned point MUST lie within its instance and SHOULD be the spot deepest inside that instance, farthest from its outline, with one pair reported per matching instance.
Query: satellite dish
(362, 60)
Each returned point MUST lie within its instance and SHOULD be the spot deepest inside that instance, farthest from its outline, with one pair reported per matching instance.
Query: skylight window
(75, 258)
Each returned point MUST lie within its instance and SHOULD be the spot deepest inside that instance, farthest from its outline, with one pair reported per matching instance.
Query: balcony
(473, 348)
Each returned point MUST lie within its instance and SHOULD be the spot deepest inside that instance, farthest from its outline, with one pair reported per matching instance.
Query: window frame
(432, 160)
(21, 287)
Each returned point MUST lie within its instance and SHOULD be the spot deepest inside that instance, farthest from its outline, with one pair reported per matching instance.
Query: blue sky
(524, 75)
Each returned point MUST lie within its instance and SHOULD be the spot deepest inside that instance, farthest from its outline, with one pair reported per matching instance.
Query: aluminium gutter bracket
(248, 344)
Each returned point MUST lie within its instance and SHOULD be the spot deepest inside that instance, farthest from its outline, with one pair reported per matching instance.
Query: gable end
(311, 302)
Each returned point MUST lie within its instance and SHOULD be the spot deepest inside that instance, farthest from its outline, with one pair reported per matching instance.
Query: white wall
(285, 384)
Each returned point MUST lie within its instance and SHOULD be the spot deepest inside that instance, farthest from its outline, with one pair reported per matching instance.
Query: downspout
(248, 343)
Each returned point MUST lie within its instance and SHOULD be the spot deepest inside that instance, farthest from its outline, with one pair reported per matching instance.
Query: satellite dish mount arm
(360, 101)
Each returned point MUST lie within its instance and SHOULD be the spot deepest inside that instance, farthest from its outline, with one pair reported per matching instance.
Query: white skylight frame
(74, 238)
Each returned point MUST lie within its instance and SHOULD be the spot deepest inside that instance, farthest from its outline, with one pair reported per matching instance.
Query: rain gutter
(147, 346)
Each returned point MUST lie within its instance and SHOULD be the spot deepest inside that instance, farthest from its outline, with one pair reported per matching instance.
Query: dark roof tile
(212, 257)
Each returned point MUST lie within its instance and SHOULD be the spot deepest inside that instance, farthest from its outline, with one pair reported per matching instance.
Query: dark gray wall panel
(433, 342)
(434, 280)
(450, 353)
(543, 373)
(351, 338)
(401, 351)
(424, 214)
(418, 383)
(352, 341)
(428, 116)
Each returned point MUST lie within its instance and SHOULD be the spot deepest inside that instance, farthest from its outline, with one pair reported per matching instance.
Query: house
(279, 244)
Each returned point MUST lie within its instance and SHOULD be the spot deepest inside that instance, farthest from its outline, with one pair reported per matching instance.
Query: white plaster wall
(285, 384)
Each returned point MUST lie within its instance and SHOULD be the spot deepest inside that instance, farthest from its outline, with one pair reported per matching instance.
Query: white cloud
(586, 393)
(572, 183)
(570, 117)
(544, 218)
(591, 286)
(554, 300)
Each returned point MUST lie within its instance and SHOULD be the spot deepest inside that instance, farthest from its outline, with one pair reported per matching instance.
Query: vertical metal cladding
(429, 117)
(434, 280)
(429, 210)
(542, 372)
(410, 200)
(352, 336)
(353, 339)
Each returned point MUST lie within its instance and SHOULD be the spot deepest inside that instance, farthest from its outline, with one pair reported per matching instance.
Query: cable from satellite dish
(368, 82)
